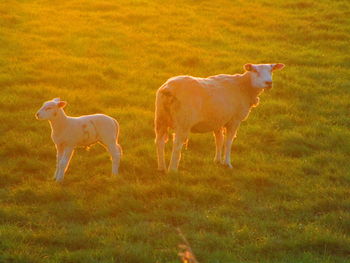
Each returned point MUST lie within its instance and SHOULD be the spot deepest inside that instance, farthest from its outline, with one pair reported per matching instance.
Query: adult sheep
(215, 104)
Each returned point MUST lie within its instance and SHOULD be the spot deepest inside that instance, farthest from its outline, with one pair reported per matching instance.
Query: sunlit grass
(286, 200)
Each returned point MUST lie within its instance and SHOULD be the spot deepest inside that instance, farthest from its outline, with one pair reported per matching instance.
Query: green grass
(287, 198)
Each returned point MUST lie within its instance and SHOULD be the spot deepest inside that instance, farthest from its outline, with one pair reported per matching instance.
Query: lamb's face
(261, 74)
(49, 109)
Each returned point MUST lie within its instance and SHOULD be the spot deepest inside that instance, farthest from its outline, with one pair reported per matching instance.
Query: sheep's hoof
(217, 162)
(161, 170)
(59, 180)
(228, 165)
(172, 171)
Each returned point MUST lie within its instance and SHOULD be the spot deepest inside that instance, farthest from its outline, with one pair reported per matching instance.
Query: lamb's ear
(277, 66)
(249, 67)
(62, 104)
(56, 100)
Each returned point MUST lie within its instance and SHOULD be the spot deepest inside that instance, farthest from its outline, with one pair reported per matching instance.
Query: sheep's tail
(163, 120)
(117, 136)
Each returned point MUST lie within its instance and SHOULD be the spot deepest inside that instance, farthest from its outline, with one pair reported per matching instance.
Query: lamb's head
(261, 74)
(50, 109)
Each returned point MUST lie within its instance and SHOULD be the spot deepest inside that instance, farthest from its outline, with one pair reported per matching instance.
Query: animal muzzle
(268, 85)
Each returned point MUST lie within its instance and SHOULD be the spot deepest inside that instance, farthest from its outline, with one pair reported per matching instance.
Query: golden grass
(286, 200)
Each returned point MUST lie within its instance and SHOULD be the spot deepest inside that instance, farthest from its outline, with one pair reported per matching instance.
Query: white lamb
(70, 132)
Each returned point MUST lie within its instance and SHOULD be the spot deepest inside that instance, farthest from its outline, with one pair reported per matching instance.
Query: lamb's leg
(231, 131)
(179, 140)
(64, 162)
(115, 152)
(59, 155)
(160, 142)
(219, 142)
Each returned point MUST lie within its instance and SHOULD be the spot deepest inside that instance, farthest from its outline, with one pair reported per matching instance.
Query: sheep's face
(49, 109)
(261, 74)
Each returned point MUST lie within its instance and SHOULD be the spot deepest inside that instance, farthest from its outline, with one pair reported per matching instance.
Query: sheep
(67, 133)
(215, 104)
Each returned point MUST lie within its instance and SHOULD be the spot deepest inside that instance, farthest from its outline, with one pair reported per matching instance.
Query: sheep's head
(49, 109)
(261, 74)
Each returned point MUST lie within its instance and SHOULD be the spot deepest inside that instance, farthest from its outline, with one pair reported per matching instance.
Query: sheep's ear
(56, 100)
(61, 104)
(277, 66)
(249, 67)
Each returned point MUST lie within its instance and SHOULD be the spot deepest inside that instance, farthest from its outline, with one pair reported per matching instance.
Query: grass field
(287, 198)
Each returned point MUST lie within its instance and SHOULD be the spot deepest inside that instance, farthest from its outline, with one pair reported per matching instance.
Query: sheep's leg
(160, 142)
(179, 140)
(231, 132)
(64, 162)
(115, 152)
(59, 155)
(219, 142)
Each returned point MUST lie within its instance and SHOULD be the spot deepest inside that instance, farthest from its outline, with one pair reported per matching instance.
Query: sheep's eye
(49, 108)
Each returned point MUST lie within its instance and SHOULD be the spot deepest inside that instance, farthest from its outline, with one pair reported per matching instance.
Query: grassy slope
(287, 198)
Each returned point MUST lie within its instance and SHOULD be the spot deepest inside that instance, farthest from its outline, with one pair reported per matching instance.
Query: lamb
(67, 133)
(215, 104)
